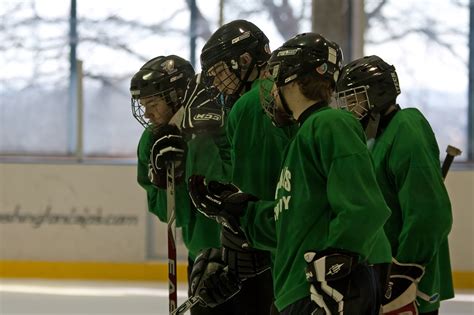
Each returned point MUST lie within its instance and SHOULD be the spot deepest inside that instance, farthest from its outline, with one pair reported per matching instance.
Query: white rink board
(113, 189)
(74, 212)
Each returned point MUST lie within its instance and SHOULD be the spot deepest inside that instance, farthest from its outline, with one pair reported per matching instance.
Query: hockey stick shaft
(451, 153)
(171, 215)
(187, 305)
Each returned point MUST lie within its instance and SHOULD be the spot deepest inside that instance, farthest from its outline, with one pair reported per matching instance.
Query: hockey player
(232, 61)
(159, 91)
(328, 215)
(406, 158)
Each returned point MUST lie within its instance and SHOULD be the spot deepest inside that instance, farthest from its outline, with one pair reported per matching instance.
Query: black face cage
(138, 112)
(222, 84)
(224, 77)
(355, 100)
(266, 98)
(279, 117)
(224, 81)
(170, 96)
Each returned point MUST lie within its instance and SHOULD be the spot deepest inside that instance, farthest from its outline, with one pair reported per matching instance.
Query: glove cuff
(330, 265)
(402, 287)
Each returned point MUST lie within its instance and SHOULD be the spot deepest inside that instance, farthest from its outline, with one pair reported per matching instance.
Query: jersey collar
(311, 109)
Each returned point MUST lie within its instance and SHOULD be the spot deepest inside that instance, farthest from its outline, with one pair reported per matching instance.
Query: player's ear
(245, 60)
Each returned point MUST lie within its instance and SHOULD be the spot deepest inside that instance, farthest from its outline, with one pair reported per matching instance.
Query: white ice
(24, 296)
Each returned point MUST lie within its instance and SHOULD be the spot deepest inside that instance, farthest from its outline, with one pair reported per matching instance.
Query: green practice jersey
(406, 158)
(202, 157)
(256, 146)
(327, 197)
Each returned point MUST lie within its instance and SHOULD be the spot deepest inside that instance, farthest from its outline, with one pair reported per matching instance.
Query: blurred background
(41, 41)
(70, 207)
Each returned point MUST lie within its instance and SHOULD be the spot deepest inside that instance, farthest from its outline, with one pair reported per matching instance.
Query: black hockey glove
(202, 114)
(241, 259)
(341, 284)
(169, 147)
(210, 280)
(400, 296)
(224, 203)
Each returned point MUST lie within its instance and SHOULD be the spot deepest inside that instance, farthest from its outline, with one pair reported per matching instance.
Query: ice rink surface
(20, 296)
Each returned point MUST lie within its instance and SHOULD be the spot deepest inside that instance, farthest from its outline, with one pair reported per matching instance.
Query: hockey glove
(224, 203)
(400, 296)
(242, 260)
(169, 147)
(210, 280)
(202, 114)
(340, 283)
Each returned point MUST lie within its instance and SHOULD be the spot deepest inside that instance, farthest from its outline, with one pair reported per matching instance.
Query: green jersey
(202, 157)
(327, 197)
(406, 158)
(256, 146)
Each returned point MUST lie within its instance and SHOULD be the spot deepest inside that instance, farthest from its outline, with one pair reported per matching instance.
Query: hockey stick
(451, 153)
(171, 214)
(187, 305)
(195, 299)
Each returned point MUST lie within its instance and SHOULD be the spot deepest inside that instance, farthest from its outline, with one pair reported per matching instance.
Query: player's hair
(313, 87)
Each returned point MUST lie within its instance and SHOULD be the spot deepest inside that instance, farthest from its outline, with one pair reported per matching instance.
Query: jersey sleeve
(222, 143)
(259, 225)
(230, 130)
(143, 156)
(424, 201)
(156, 198)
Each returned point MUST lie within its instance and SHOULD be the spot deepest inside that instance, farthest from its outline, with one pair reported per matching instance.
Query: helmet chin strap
(284, 103)
(371, 124)
(244, 86)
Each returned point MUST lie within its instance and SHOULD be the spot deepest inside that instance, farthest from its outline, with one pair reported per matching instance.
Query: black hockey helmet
(301, 55)
(226, 46)
(163, 76)
(306, 53)
(367, 85)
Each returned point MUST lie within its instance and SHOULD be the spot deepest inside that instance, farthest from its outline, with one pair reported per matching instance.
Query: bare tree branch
(376, 12)
(283, 17)
(203, 28)
(16, 31)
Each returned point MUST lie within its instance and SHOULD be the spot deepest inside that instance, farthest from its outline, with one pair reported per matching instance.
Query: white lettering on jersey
(283, 202)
